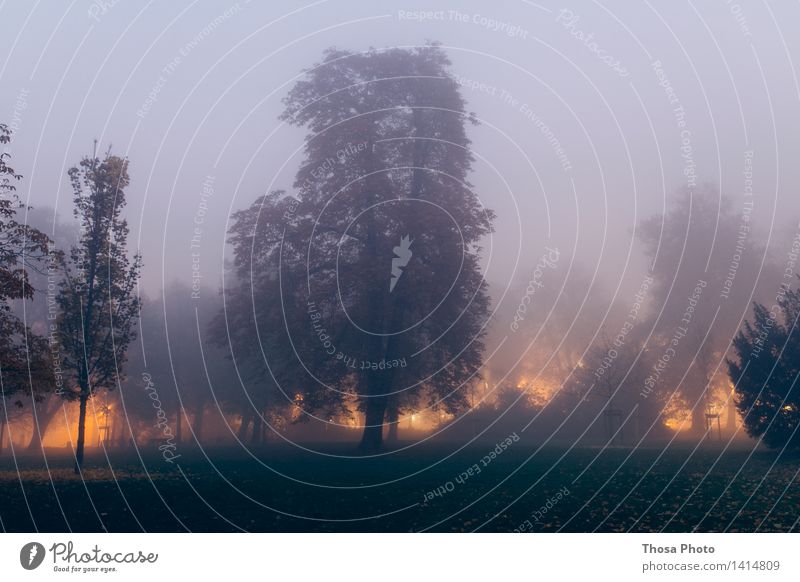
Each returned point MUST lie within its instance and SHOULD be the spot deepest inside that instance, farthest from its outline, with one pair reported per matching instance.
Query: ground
(277, 488)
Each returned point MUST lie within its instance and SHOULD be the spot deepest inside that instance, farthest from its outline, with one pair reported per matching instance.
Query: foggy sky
(571, 153)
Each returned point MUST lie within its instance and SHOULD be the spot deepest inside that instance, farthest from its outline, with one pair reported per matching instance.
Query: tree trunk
(197, 425)
(265, 429)
(392, 418)
(372, 439)
(242, 432)
(699, 417)
(258, 422)
(179, 426)
(41, 420)
(730, 425)
(81, 434)
(2, 434)
(116, 425)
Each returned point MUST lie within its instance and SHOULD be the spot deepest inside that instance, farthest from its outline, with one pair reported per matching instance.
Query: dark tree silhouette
(249, 330)
(766, 371)
(610, 377)
(97, 300)
(367, 284)
(24, 361)
(189, 373)
(40, 313)
(695, 241)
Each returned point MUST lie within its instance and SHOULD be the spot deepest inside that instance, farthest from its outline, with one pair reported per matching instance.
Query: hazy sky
(592, 113)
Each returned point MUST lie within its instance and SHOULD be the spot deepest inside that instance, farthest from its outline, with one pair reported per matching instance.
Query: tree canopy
(766, 370)
(366, 285)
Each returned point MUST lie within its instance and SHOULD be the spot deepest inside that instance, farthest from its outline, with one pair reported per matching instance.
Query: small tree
(97, 297)
(767, 370)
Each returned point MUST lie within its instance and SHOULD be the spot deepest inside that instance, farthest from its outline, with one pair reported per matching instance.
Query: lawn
(422, 488)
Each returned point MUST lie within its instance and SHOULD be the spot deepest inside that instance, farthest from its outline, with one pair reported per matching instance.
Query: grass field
(280, 489)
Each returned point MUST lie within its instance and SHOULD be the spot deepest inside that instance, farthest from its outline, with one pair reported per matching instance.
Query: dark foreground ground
(281, 489)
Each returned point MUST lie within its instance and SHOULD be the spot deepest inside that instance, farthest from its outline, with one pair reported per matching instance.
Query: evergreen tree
(766, 371)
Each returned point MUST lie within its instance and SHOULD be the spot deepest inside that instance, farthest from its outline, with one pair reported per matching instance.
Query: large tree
(97, 298)
(704, 266)
(766, 371)
(366, 284)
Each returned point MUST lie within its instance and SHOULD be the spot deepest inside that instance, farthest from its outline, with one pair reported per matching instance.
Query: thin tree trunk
(700, 424)
(699, 417)
(255, 437)
(113, 430)
(242, 432)
(265, 430)
(2, 434)
(179, 426)
(730, 425)
(197, 425)
(81, 434)
(392, 418)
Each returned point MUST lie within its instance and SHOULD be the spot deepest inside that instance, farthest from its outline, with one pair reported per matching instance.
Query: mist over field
(393, 266)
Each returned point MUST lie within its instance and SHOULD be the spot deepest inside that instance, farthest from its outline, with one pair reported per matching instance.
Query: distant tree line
(357, 299)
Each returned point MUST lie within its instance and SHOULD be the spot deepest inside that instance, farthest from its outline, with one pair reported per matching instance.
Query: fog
(71, 77)
(622, 148)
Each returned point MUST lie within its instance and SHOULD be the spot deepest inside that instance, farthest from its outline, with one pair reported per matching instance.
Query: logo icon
(31, 555)
(403, 255)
